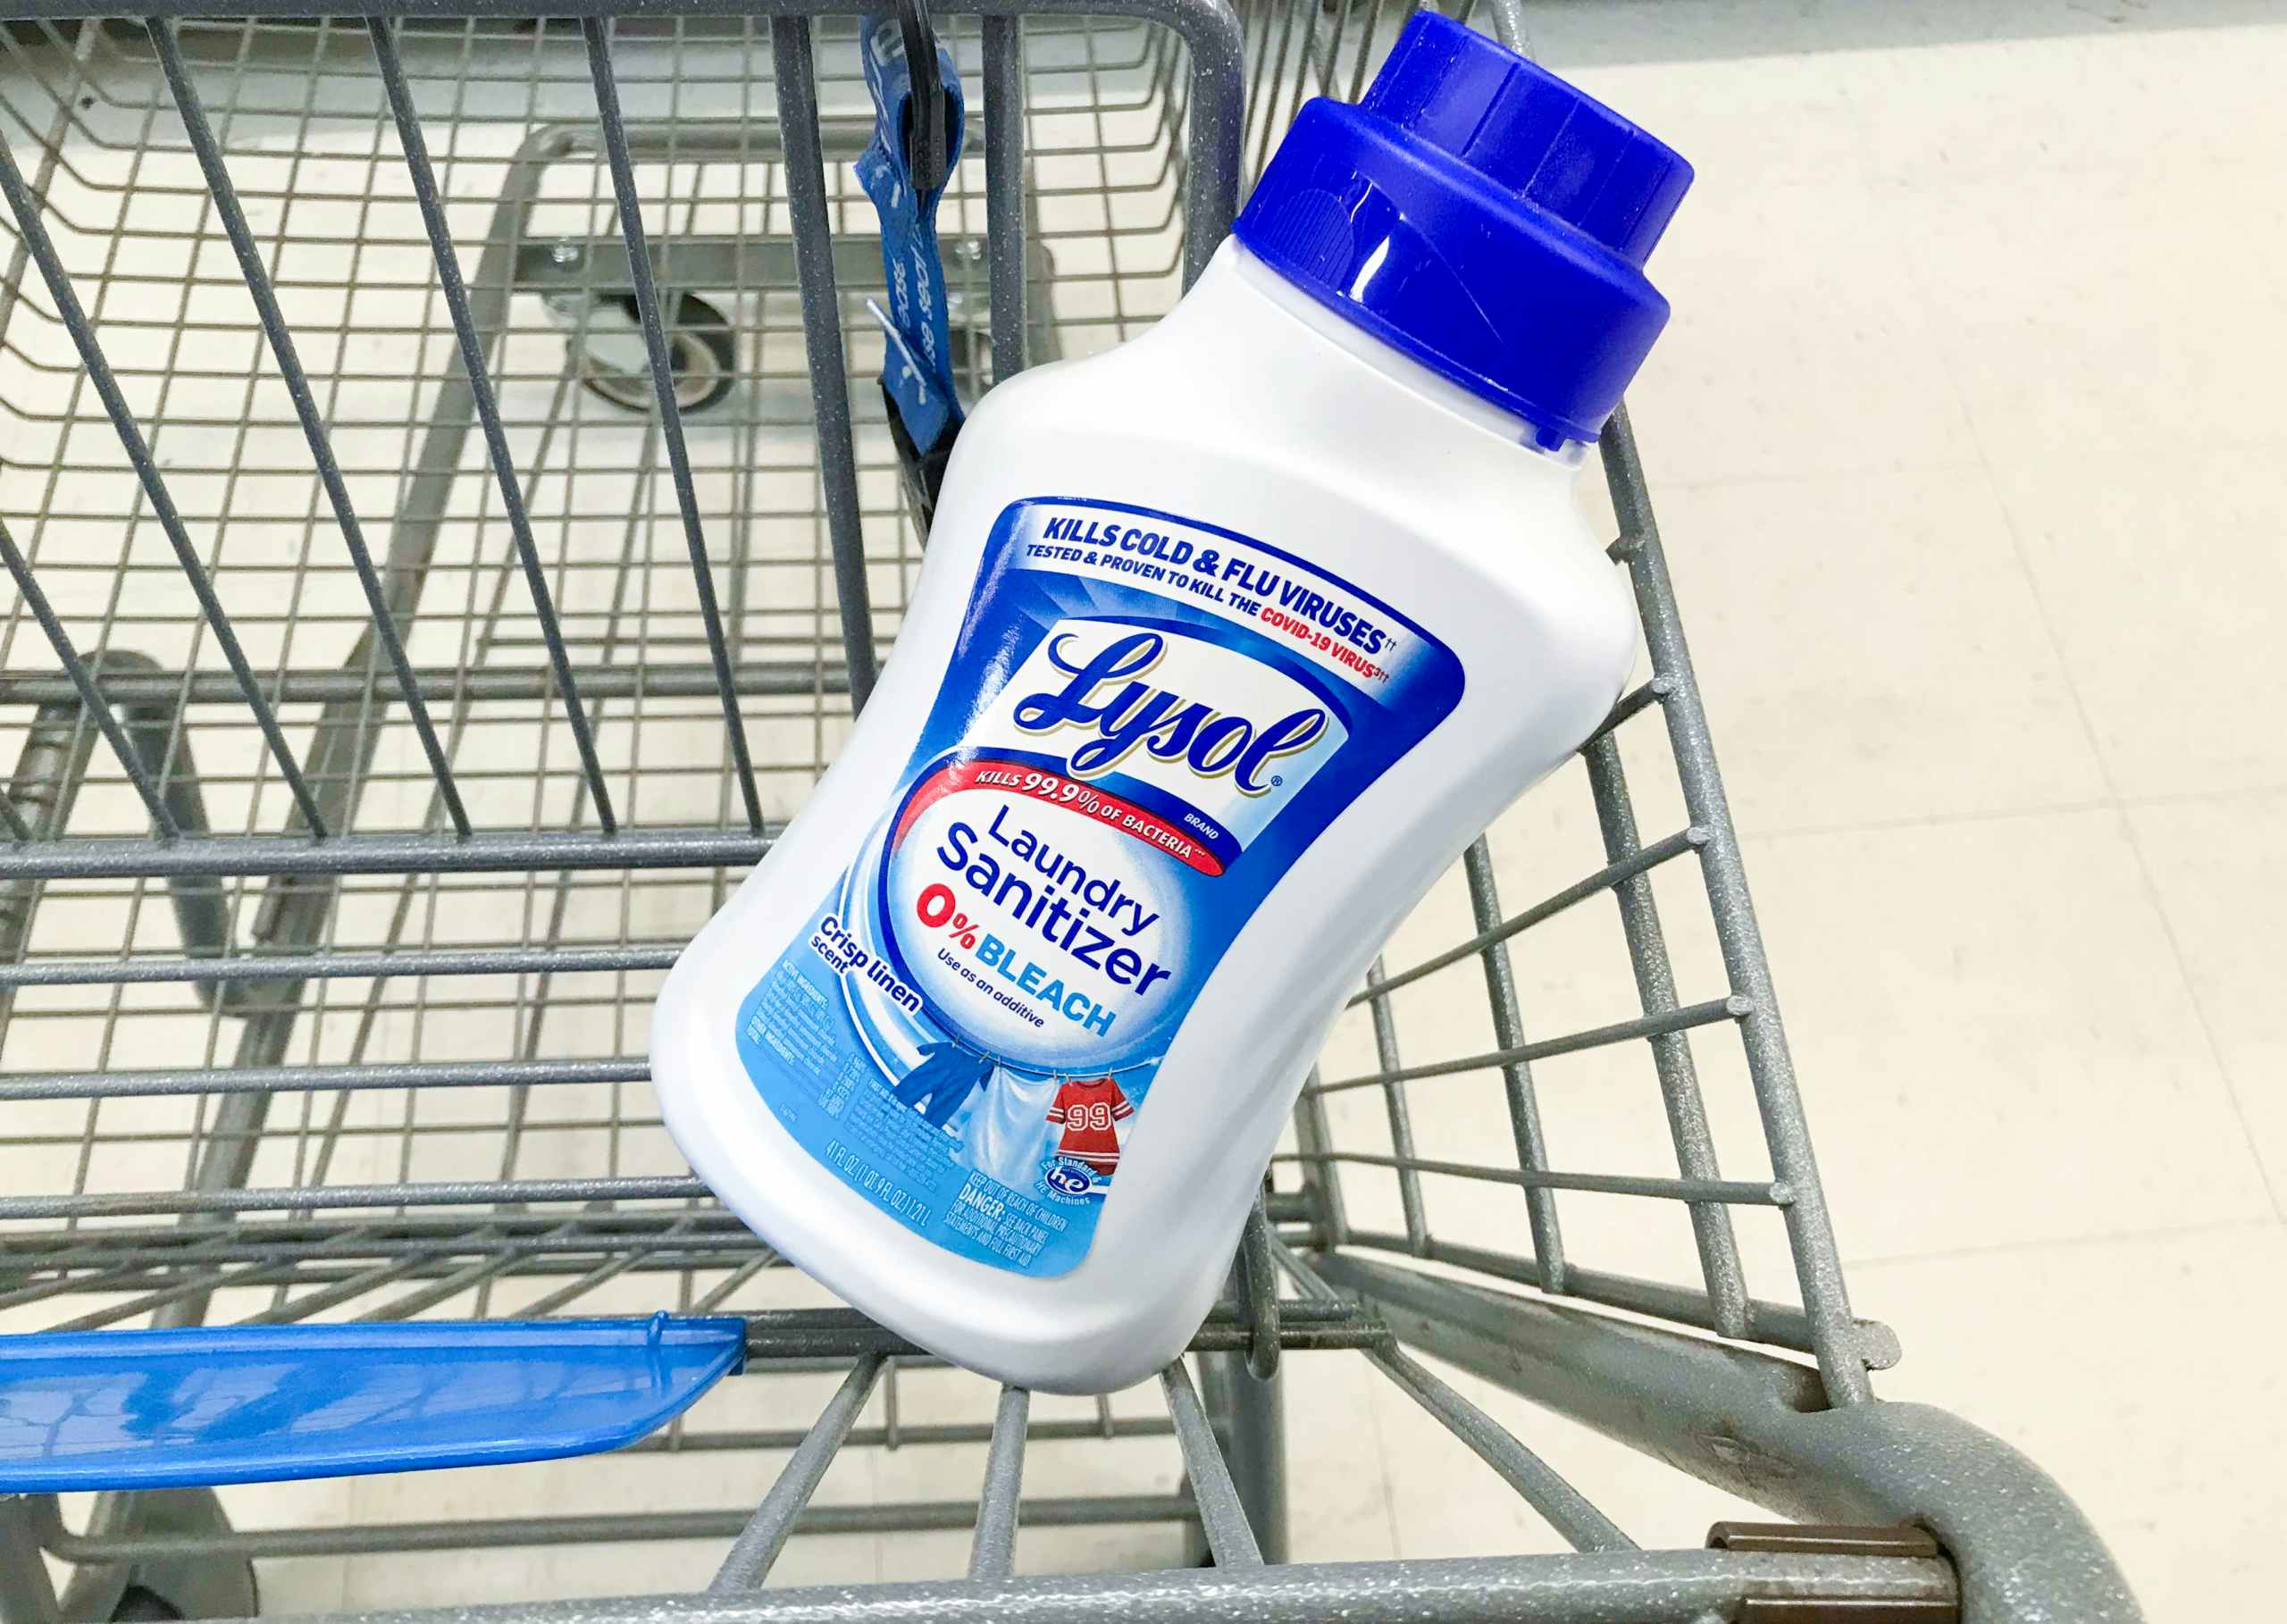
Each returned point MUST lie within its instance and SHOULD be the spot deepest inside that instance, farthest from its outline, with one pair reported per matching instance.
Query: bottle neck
(1395, 364)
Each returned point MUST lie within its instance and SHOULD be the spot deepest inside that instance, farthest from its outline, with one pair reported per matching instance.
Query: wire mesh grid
(434, 582)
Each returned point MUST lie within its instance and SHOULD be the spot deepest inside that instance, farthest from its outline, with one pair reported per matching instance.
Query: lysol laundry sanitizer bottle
(1227, 642)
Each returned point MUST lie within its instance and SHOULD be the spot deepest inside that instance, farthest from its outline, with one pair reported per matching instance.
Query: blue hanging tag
(917, 367)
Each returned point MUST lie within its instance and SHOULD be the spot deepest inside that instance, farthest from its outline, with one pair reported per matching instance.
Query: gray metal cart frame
(340, 868)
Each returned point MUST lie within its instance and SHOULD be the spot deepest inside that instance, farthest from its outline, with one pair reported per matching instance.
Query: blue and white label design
(1146, 721)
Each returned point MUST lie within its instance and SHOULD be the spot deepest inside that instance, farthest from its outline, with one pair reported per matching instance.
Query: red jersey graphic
(1085, 1109)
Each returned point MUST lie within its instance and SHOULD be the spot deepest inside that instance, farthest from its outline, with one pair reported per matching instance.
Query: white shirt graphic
(1004, 1132)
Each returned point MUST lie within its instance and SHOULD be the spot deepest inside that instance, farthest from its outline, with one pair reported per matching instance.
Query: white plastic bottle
(1227, 641)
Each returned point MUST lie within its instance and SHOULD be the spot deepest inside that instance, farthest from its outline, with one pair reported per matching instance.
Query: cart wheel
(699, 350)
(158, 1589)
(139, 1605)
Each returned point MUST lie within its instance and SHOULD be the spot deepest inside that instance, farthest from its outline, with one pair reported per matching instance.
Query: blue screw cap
(1482, 216)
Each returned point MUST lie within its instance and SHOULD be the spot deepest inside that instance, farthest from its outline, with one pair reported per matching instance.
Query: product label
(1146, 721)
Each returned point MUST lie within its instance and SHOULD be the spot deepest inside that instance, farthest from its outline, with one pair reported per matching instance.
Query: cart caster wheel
(700, 352)
(142, 1605)
(158, 1590)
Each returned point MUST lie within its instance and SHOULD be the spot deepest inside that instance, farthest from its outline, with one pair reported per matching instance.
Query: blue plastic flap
(173, 1408)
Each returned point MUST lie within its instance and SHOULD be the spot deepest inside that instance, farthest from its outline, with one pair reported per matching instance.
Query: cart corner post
(1760, 1426)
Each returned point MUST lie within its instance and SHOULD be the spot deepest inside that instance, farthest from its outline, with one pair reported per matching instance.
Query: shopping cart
(449, 531)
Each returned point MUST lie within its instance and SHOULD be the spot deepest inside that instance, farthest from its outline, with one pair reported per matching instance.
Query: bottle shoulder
(1236, 377)
(1235, 413)
(1355, 484)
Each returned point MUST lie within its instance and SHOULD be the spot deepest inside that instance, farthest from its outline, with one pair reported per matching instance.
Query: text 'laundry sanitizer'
(1227, 641)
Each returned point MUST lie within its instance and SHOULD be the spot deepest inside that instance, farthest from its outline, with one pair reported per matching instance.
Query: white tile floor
(1976, 496)
(1966, 451)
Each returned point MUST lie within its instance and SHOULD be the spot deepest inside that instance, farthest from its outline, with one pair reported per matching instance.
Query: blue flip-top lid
(1484, 217)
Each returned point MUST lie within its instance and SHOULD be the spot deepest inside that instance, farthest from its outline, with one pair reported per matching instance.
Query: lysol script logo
(1221, 729)
(1105, 691)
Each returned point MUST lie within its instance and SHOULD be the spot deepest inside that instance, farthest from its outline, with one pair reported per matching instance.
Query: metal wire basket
(447, 543)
